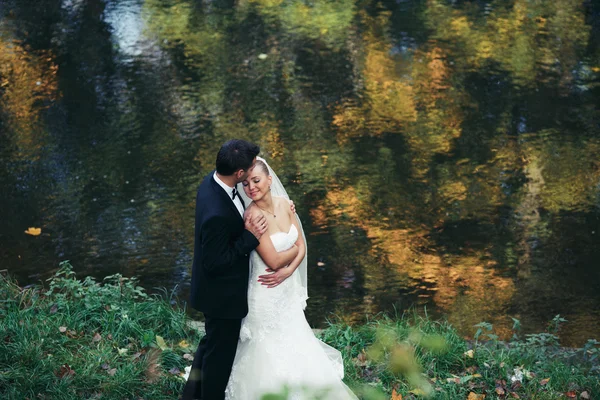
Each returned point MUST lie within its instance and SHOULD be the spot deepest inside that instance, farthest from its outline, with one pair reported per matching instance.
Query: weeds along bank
(82, 339)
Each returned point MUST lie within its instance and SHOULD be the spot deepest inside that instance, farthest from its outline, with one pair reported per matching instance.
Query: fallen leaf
(62, 329)
(112, 371)
(470, 353)
(362, 359)
(500, 391)
(418, 392)
(183, 344)
(138, 355)
(514, 395)
(53, 309)
(467, 378)
(544, 381)
(161, 343)
(188, 356)
(471, 370)
(174, 371)
(97, 337)
(571, 395)
(65, 371)
(72, 334)
(153, 369)
(396, 395)
(34, 231)
(186, 373)
(584, 395)
(122, 351)
(475, 396)
(105, 366)
(516, 385)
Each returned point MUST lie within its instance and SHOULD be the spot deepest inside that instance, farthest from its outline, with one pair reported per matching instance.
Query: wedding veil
(278, 190)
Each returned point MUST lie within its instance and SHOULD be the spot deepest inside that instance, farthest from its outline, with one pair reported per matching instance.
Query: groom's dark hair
(234, 155)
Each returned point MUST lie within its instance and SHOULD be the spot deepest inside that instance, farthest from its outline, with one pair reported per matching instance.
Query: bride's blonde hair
(263, 167)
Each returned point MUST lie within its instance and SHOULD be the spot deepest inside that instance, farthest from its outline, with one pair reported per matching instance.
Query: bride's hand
(275, 278)
(292, 207)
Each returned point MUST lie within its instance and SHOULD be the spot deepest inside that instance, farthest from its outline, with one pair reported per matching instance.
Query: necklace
(272, 213)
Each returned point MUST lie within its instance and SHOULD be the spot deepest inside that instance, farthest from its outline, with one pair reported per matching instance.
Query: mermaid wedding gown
(277, 349)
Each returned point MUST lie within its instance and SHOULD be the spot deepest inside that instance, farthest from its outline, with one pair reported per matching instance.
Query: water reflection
(443, 155)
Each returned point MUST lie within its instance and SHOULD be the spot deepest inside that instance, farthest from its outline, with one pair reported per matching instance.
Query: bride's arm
(274, 259)
(274, 279)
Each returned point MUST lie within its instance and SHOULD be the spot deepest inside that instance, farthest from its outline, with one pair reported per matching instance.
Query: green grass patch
(412, 356)
(83, 339)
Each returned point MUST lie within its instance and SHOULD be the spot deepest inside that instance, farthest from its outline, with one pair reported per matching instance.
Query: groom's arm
(219, 252)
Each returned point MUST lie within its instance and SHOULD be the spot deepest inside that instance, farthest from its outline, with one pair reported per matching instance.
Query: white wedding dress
(277, 348)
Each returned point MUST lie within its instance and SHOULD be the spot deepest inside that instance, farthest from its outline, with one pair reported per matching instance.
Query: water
(443, 156)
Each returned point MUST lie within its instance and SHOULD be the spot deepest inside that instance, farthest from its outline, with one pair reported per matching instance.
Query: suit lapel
(223, 195)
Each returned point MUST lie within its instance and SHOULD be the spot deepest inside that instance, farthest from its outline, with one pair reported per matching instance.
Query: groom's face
(243, 175)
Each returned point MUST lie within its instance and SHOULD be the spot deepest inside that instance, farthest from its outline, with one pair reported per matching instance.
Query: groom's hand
(257, 225)
(275, 277)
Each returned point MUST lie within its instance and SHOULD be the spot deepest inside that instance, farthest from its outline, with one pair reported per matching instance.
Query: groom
(220, 270)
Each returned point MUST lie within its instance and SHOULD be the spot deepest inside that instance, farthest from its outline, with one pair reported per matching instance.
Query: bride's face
(257, 184)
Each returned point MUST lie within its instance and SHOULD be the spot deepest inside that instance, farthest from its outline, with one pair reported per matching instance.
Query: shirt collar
(225, 187)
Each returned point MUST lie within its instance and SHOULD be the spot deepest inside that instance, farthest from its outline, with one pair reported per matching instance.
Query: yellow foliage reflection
(324, 20)
(28, 82)
(466, 287)
(526, 38)
(388, 103)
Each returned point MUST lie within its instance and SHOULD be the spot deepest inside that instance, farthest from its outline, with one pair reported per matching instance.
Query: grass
(82, 339)
(412, 356)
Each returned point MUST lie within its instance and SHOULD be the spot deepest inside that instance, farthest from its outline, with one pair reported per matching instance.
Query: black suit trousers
(213, 360)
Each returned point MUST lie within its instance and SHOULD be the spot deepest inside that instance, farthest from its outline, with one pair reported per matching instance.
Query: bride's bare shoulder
(281, 200)
(283, 203)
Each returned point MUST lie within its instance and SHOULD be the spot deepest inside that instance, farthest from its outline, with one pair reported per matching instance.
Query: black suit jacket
(222, 247)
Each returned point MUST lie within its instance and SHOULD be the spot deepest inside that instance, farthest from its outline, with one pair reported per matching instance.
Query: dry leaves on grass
(65, 371)
(475, 396)
(153, 368)
(161, 343)
(396, 395)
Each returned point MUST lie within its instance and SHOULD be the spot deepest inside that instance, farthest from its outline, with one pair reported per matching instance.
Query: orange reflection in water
(28, 82)
(466, 287)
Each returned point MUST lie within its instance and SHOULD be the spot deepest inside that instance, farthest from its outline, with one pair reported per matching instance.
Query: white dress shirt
(228, 189)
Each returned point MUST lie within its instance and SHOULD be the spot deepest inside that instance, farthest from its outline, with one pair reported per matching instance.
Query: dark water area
(443, 155)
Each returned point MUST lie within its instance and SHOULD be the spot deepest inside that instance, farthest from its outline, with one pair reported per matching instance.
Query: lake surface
(443, 155)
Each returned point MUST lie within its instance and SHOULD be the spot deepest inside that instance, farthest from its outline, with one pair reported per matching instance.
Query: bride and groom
(249, 279)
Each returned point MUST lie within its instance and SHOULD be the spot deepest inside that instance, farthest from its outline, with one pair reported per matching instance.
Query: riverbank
(81, 339)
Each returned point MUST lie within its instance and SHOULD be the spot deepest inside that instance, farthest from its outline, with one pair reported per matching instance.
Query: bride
(277, 349)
